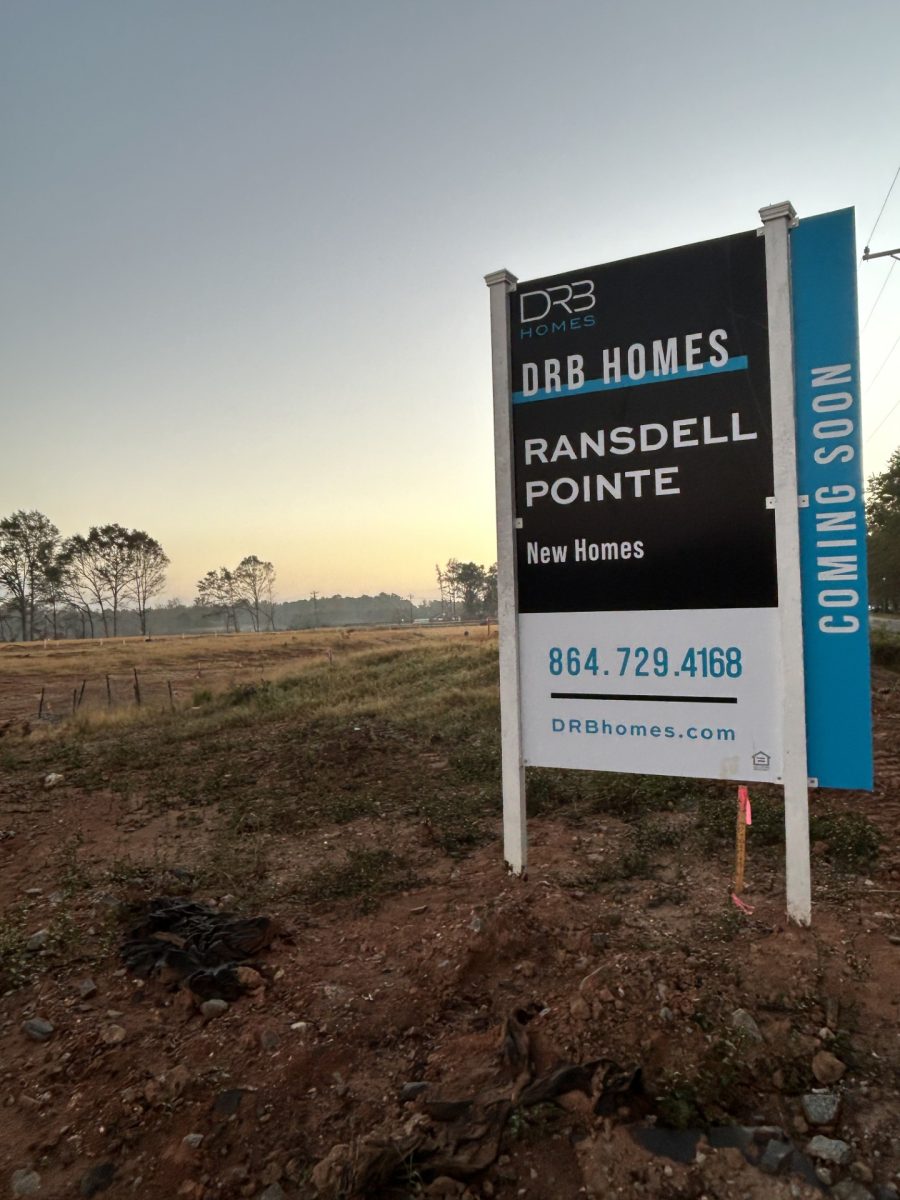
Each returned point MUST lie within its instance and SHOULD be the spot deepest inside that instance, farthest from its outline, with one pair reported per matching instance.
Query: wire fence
(67, 697)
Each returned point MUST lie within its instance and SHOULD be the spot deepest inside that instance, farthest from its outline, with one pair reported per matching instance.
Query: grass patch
(717, 1091)
(582, 793)
(725, 926)
(851, 840)
(458, 821)
(19, 965)
(410, 727)
(635, 859)
(238, 865)
(717, 815)
(16, 962)
(365, 875)
(9, 760)
(477, 758)
(885, 648)
(74, 877)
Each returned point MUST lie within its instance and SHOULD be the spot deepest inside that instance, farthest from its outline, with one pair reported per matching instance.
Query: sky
(243, 245)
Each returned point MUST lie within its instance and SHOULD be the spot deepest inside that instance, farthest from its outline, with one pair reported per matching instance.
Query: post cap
(777, 212)
(502, 276)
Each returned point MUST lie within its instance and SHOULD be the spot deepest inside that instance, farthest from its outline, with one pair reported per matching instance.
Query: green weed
(365, 875)
(719, 1087)
(603, 792)
(678, 1107)
(459, 821)
(885, 648)
(74, 876)
(126, 873)
(717, 815)
(239, 864)
(9, 760)
(16, 963)
(851, 840)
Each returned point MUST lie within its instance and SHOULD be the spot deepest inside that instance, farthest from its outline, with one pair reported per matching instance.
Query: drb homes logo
(556, 309)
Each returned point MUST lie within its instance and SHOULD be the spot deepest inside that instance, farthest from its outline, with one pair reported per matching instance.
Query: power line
(889, 413)
(878, 297)
(871, 383)
(881, 210)
(894, 407)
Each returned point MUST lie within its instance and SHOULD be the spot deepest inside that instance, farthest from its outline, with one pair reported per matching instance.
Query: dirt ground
(585, 1031)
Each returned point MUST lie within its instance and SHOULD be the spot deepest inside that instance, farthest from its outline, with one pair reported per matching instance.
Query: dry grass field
(74, 673)
(413, 1021)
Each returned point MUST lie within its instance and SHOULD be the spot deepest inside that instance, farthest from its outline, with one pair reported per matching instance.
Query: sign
(681, 538)
(832, 517)
(645, 539)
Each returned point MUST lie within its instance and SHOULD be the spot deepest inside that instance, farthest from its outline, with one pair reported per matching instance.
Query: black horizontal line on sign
(660, 699)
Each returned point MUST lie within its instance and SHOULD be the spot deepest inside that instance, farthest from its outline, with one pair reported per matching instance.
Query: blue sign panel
(832, 526)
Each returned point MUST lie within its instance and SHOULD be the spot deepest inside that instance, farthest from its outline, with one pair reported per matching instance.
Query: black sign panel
(643, 433)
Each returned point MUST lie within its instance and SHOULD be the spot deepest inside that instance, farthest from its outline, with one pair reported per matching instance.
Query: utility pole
(411, 610)
(895, 254)
(315, 610)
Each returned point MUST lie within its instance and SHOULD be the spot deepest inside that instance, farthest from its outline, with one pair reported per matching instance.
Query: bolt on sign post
(651, 529)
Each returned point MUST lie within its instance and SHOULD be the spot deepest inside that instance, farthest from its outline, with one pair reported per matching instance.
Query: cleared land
(347, 787)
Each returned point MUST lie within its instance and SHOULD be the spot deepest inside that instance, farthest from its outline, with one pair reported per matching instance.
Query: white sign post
(515, 836)
(777, 220)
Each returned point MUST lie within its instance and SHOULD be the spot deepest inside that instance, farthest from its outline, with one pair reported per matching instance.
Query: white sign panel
(669, 693)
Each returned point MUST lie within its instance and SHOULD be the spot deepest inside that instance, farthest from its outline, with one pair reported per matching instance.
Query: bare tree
(53, 592)
(28, 542)
(85, 580)
(77, 582)
(250, 588)
(217, 592)
(256, 590)
(147, 572)
(113, 545)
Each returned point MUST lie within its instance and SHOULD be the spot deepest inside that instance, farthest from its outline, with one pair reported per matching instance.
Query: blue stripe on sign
(739, 363)
(833, 527)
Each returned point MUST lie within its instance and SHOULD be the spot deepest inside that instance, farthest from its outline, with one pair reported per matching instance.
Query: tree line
(468, 591)
(52, 586)
(103, 584)
(883, 519)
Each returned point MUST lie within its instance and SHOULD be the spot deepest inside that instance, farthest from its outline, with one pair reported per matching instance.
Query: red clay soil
(297, 1088)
